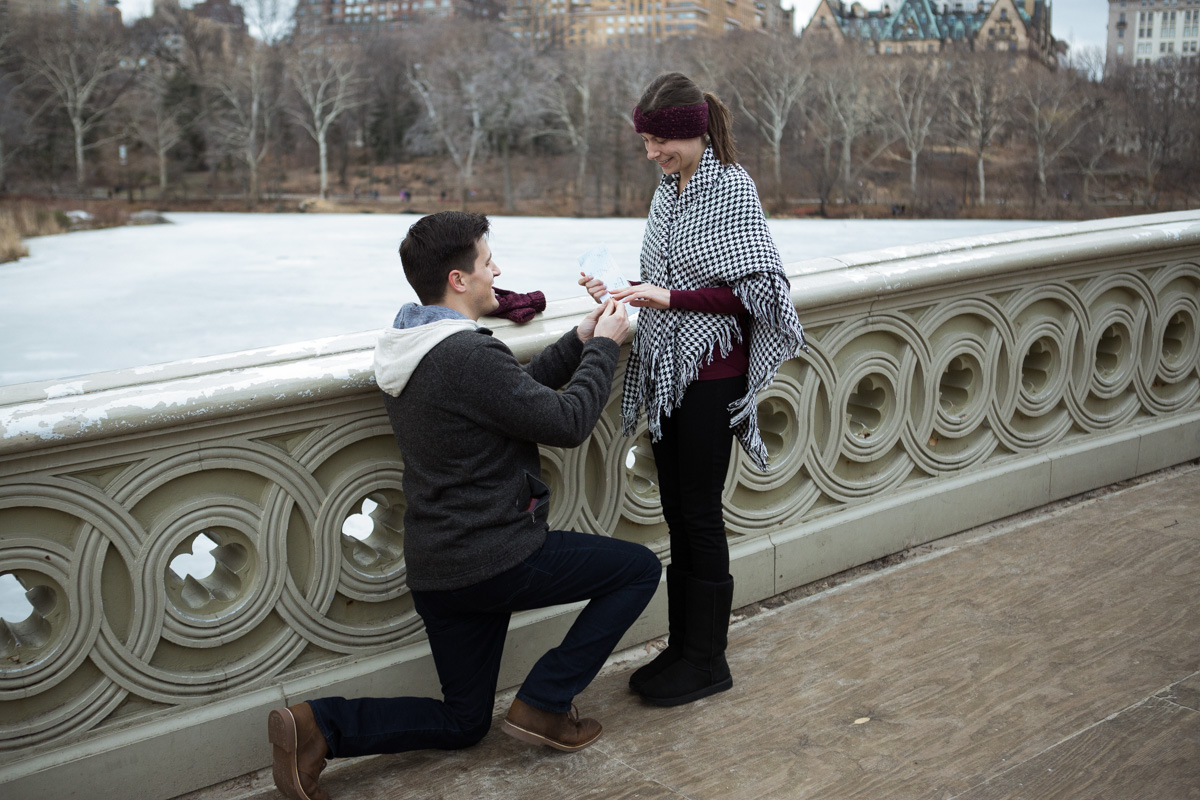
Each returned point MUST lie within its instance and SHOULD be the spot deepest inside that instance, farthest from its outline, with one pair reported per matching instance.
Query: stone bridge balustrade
(948, 385)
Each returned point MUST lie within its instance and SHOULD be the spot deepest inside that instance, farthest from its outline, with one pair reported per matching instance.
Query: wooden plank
(1186, 693)
(966, 664)
(977, 669)
(1150, 751)
(499, 767)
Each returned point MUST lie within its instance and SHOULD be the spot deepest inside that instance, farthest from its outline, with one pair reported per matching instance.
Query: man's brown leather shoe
(300, 751)
(565, 731)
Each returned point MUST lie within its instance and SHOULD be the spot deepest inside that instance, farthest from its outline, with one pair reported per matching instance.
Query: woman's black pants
(692, 458)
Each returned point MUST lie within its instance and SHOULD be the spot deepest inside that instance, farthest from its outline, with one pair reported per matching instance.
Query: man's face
(480, 294)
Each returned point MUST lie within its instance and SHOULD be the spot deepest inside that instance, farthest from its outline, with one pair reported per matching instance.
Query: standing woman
(716, 323)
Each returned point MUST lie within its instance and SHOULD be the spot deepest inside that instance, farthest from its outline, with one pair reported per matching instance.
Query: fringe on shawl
(659, 406)
(789, 334)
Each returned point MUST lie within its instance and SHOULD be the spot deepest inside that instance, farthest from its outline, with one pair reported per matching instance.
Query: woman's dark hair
(676, 89)
(435, 246)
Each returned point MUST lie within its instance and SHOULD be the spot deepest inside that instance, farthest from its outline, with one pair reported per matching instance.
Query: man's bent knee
(651, 566)
(464, 736)
(647, 574)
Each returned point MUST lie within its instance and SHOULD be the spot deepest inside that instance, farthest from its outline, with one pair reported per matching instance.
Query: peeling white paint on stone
(64, 389)
(142, 404)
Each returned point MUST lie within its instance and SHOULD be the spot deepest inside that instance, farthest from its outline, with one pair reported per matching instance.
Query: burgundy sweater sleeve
(716, 300)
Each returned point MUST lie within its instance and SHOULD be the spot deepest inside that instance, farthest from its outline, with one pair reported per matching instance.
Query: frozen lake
(218, 283)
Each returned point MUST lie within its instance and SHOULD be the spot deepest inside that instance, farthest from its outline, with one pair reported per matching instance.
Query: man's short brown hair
(438, 244)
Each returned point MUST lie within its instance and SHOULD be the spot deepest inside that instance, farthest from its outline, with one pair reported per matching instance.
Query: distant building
(225, 12)
(108, 9)
(220, 21)
(578, 23)
(1144, 32)
(553, 23)
(350, 17)
(1020, 27)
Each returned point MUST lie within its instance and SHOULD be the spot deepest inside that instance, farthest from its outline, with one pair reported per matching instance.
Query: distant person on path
(716, 323)
(468, 418)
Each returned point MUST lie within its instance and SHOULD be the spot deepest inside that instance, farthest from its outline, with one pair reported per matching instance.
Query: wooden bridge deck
(1052, 655)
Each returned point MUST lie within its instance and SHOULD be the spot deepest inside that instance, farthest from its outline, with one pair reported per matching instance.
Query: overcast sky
(1080, 22)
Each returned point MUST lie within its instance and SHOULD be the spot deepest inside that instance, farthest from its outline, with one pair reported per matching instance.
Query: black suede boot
(676, 629)
(702, 670)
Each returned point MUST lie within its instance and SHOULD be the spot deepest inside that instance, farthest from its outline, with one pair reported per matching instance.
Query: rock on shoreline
(147, 218)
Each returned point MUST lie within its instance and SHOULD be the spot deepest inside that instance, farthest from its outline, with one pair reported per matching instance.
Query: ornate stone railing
(948, 385)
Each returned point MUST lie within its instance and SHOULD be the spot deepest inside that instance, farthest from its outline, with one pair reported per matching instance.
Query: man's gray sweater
(468, 418)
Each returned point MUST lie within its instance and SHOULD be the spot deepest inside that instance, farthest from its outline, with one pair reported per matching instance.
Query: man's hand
(613, 322)
(587, 328)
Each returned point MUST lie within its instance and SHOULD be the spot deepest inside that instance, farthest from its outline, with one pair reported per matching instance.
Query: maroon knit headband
(678, 122)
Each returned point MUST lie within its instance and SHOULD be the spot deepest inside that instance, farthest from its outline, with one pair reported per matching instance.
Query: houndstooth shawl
(713, 235)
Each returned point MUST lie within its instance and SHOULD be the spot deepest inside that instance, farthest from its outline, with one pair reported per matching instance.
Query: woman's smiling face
(674, 155)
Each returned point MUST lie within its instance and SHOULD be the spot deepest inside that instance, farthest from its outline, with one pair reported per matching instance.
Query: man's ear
(455, 281)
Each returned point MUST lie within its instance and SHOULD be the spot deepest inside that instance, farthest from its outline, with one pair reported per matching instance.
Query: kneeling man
(468, 418)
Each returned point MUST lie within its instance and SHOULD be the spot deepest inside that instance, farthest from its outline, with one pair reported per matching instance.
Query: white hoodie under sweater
(398, 351)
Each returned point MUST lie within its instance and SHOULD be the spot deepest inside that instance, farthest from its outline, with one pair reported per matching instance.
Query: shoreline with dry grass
(26, 217)
(22, 220)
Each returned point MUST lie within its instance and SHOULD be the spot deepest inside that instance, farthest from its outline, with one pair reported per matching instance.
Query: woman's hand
(595, 287)
(644, 295)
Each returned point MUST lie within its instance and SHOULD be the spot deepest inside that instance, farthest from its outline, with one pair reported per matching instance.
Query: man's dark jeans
(467, 628)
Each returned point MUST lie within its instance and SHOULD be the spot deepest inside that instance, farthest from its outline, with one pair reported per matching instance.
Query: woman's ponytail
(720, 130)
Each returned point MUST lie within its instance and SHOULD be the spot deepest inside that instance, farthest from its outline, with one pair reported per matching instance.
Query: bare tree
(820, 165)
(980, 107)
(822, 132)
(708, 60)
(573, 103)
(389, 106)
(203, 45)
(455, 82)
(1160, 101)
(629, 71)
(849, 108)
(270, 20)
(914, 102)
(158, 120)
(11, 118)
(327, 85)
(1093, 146)
(773, 80)
(521, 91)
(87, 69)
(14, 117)
(1086, 62)
(1053, 108)
(247, 93)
